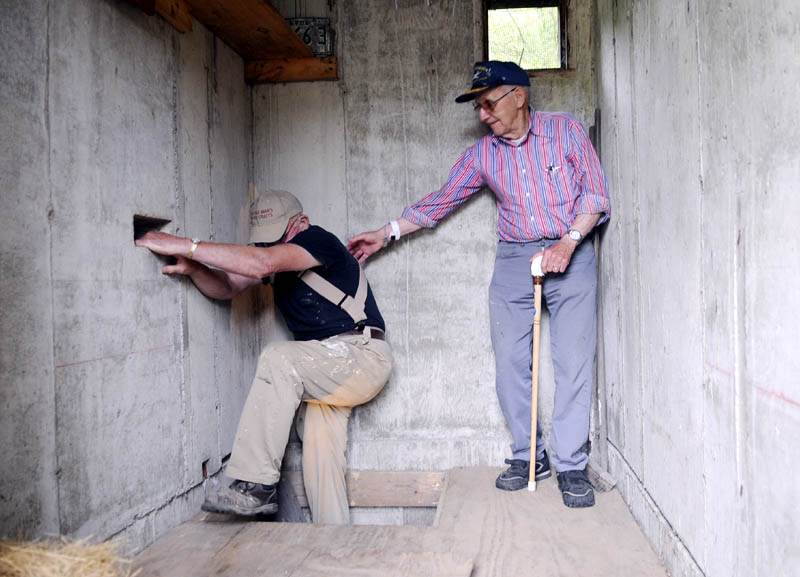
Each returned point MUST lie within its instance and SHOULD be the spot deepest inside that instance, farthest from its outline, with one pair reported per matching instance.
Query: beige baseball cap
(270, 214)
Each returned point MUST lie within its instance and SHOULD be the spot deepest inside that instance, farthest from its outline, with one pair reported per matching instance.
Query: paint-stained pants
(571, 300)
(331, 376)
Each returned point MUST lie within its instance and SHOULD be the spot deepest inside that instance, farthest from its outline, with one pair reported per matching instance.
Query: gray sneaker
(243, 498)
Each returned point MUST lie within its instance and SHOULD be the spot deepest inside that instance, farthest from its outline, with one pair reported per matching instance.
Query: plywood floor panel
(299, 550)
(480, 532)
(533, 533)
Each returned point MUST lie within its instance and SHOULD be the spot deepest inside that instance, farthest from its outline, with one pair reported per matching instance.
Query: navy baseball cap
(491, 74)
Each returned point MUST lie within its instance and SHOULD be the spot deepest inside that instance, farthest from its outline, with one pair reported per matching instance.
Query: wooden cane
(538, 279)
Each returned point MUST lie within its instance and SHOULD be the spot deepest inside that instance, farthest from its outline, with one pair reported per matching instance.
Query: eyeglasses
(488, 105)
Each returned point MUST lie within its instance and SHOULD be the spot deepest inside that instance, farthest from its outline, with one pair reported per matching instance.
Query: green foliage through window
(528, 36)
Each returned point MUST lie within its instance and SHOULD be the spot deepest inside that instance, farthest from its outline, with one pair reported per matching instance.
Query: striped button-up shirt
(541, 185)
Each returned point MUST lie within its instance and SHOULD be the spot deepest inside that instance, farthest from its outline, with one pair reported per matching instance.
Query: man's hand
(366, 244)
(184, 266)
(163, 243)
(556, 257)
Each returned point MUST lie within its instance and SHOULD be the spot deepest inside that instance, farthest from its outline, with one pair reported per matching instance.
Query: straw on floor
(61, 558)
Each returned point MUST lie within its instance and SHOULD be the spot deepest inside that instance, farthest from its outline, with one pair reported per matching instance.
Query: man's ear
(519, 96)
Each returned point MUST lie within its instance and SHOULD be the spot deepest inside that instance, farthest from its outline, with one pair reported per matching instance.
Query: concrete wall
(700, 137)
(360, 149)
(117, 382)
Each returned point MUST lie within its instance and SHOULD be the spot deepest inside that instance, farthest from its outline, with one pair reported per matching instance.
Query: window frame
(562, 6)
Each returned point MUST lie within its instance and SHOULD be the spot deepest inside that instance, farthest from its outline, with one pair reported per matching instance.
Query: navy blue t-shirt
(309, 315)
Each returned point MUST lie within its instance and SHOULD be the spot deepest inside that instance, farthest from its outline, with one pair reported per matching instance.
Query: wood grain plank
(210, 546)
(382, 488)
(186, 550)
(253, 28)
(510, 532)
(176, 12)
(394, 488)
(290, 70)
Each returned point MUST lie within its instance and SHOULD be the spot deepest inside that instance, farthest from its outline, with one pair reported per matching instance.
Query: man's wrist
(575, 235)
(570, 242)
(195, 243)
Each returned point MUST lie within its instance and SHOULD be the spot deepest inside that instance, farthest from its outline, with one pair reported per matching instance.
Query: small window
(531, 33)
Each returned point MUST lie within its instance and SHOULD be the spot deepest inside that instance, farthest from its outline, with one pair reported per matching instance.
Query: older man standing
(551, 193)
(339, 358)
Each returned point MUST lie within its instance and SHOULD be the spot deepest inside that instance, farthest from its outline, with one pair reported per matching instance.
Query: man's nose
(483, 114)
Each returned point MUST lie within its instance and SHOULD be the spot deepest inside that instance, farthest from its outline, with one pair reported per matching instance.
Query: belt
(374, 332)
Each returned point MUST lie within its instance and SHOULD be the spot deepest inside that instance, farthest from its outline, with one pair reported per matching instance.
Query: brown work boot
(243, 498)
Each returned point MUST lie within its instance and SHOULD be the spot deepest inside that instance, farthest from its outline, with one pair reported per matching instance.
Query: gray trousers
(571, 299)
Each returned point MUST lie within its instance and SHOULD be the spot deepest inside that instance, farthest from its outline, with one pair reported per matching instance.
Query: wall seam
(183, 304)
(50, 213)
(637, 229)
(251, 157)
(656, 510)
(211, 72)
(405, 185)
(617, 182)
(343, 94)
(703, 303)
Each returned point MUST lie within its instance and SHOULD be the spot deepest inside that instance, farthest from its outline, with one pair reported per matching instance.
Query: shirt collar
(535, 126)
(538, 127)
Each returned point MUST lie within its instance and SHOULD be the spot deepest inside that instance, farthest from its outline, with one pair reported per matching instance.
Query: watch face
(574, 235)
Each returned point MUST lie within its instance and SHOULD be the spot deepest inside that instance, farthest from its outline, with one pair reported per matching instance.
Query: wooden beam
(146, 6)
(290, 70)
(253, 28)
(381, 488)
(176, 12)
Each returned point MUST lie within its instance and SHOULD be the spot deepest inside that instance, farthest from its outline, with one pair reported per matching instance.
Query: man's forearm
(213, 283)
(407, 227)
(584, 223)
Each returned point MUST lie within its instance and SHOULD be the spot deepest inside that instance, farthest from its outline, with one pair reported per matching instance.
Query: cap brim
(270, 232)
(472, 94)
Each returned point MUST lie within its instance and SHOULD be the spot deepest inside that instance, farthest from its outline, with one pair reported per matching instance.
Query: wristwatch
(575, 235)
(195, 242)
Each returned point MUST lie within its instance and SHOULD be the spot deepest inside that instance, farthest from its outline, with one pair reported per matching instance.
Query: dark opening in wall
(144, 224)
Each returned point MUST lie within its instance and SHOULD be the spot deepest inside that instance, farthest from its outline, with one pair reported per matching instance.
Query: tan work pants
(331, 376)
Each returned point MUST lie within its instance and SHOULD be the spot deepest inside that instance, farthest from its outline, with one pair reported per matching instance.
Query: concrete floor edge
(667, 544)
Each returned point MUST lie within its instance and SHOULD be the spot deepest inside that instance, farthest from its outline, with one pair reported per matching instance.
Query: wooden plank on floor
(381, 564)
(186, 550)
(480, 532)
(377, 551)
(209, 546)
(394, 488)
(512, 532)
(381, 488)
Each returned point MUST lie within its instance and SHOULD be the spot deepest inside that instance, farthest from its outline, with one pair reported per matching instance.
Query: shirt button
(523, 171)
(528, 194)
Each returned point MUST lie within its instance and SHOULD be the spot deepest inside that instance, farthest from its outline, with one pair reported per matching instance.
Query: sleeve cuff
(420, 219)
(594, 204)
